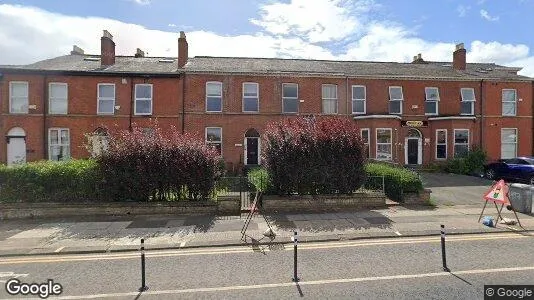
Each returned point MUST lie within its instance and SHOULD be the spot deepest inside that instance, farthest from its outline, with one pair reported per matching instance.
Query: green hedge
(397, 180)
(46, 181)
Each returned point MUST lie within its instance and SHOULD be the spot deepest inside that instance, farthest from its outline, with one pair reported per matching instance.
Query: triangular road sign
(498, 193)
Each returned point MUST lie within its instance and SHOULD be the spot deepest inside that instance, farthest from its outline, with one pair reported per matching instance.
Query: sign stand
(498, 194)
(254, 209)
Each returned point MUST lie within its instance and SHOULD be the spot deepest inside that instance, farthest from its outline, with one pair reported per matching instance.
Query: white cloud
(141, 2)
(484, 14)
(172, 25)
(462, 10)
(480, 2)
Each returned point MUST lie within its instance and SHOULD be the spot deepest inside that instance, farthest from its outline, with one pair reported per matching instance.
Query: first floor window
(18, 97)
(106, 98)
(395, 100)
(467, 103)
(57, 97)
(461, 142)
(143, 99)
(508, 142)
(431, 100)
(509, 98)
(383, 144)
(214, 138)
(358, 99)
(329, 94)
(365, 139)
(290, 98)
(441, 144)
(58, 144)
(250, 97)
(214, 96)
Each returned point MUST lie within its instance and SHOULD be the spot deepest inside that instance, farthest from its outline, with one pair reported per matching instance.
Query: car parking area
(453, 189)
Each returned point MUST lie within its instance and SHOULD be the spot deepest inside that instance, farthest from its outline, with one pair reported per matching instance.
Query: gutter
(88, 73)
(45, 111)
(481, 114)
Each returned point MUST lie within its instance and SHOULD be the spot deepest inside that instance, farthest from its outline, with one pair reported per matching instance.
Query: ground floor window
(441, 144)
(461, 142)
(508, 142)
(383, 144)
(59, 144)
(214, 138)
(364, 132)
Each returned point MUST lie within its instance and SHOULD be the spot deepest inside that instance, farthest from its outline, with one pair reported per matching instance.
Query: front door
(252, 151)
(413, 151)
(16, 150)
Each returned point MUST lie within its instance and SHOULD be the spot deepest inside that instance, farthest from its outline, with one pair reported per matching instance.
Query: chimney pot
(183, 50)
(459, 57)
(460, 46)
(77, 50)
(182, 35)
(107, 34)
(140, 53)
(419, 56)
(107, 49)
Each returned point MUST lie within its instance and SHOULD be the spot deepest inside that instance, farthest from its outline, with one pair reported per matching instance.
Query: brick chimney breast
(459, 57)
(182, 50)
(107, 49)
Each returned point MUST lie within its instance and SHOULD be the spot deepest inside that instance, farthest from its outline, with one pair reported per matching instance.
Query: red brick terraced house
(409, 113)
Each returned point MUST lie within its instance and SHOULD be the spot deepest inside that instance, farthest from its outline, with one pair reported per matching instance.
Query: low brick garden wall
(223, 206)
(319, 203)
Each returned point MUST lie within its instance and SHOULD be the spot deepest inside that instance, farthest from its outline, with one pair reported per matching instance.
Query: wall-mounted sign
(414, 123)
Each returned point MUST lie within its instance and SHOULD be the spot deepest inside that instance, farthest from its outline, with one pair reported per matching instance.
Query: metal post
(143, 285)
(383, 185)
(295, 241)
(443, 255)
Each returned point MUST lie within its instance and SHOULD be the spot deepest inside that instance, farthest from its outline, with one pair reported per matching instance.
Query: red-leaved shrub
(157, 166)
(323, 155)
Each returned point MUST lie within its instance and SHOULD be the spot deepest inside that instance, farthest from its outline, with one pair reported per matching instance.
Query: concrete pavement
(454, 189)
(123, 233)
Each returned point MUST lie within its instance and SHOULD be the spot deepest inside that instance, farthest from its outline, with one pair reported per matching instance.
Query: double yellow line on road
(247, 249)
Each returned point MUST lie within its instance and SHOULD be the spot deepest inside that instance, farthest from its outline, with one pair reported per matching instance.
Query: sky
(497, 31)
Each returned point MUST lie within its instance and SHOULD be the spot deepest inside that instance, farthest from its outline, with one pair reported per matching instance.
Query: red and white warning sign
(498, 193)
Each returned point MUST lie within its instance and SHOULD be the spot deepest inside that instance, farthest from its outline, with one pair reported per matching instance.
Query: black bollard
(295, 241)
(443, 255)
(143, 284)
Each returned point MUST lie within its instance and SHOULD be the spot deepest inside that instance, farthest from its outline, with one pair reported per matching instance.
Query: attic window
(91, 59)
(166, 60)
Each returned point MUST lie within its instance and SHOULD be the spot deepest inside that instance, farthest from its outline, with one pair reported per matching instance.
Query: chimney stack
(182, 50)
(107, 49)
(418, 59)
(459, 57)
(140, 53)
(77, 50)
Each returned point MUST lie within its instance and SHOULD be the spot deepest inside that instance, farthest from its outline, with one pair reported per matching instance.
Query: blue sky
(388, 30)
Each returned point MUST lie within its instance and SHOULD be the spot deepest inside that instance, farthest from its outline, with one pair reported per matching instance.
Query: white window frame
(100, 98)
(221, 96)
(472, 102)
(11, 97)
(390, 143)
(454, 140)
(50, 84)
(144, 99)
(257, 97)
(364, 100)
(290, 98)
(516, 140)
(514, 102)
(211, 142)
(368, 140)
(401, 100)
(441, 144)
(329, 99)
(58, 129)
(436, 101)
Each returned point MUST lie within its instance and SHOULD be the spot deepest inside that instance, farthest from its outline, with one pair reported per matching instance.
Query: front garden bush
(314, 156)
(472, 163)
(396, 180)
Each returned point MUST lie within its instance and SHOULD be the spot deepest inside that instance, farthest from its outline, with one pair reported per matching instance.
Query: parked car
(519, 169)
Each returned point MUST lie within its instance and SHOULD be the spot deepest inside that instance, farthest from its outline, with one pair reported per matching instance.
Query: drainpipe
(45, 111)
(132, 96)
(347, 96)
(481, 114)
(183, 104)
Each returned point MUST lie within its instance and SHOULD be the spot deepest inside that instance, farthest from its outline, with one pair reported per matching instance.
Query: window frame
(291, 98)
(390, 143)
(220, 84)
(436, 101)
(437, 143)
(11, 97)
(98, 98)
(454, 140)
(472, 102)
(514, 102)
(50, 97)
(248, 97)
(144, 99)
(336, 99)
(368, 130)
(401, 100)
(211, 142)
(516, 141)
(59, 129)
(364, 100)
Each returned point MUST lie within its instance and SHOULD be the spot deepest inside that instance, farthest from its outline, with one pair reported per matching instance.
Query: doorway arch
(16, 146)
(252, 147)
(413, 147)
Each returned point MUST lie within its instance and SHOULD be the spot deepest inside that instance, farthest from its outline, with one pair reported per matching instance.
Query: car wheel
(490, 174)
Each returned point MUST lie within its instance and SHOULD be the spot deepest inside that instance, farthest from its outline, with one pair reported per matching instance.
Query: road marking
(182, 244)
(247, 249)
(59, 249)
(289, 284)
(10, 275)
(398, 233)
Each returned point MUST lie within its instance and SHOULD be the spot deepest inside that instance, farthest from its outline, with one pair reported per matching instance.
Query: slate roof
(275, 66)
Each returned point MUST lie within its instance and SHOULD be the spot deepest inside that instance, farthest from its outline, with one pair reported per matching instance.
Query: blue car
(519, 169)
